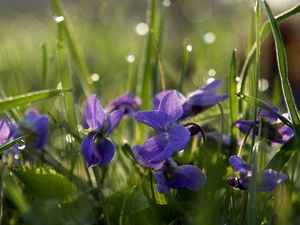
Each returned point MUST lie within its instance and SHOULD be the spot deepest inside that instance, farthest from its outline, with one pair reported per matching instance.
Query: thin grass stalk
(184, 64)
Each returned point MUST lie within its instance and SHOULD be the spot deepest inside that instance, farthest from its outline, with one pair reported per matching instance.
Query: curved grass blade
(283, 72)
(8, 145)
(19, 100)
(262, 105)
(266, 28)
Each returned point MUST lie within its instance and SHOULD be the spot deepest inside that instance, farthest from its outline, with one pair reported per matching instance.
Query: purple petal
(206, 99)
(244, 125)
(153, 146)
(271, 178)
(286, 133)
(179, 177)
(4, 130)
(270, 116)
(153, 119)
(127, 101)
(213, 86)
(100, 153)
(239, 165)
(94, 114)
(113, 120)
(171, 105)
(157, 98)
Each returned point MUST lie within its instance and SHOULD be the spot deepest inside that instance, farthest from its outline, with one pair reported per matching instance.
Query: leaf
(261, 104)
(19, 100)
(281, 158)
(12, 143)
(45, 183)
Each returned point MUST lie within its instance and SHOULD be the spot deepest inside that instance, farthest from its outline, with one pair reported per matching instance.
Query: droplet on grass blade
(142, 29)
(166, 3)
(21, 145)
(212, 73)
(59, 19)
(130, 58)
(95, 77)
(263, 85)
(189, 48)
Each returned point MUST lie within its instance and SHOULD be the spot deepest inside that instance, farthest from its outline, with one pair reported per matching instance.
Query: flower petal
(4, 130)
(94, 114)
(177, 139)
(238, 165)
(152, 118)
(113, 120)
(270, 179)
(126, 101)
(270, 116)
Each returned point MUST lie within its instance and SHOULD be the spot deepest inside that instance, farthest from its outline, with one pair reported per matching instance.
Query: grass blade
(262, 105)
(19, 100)
(283, 72)
(265, 30)
(233, 100)
(8, 145)
(187, 48)
(83, 75)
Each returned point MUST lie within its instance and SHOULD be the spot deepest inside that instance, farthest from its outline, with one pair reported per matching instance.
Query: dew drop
(240, 95)
(263, 85)
(211, 73)
(95, 77)
(142, 29)
(21, 145)
(10, 173)
(209, 37)
(189, 48)
(180, 153)
(59, 19)
(130, 58)
(16, 156)
(237, 79)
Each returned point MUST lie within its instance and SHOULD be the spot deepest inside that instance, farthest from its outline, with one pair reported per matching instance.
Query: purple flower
(35, 126)
(171, 138)
(5, 131)
(127, 102)
(95, 147)
(178, 177)
(197, 101)
(272, 128)
(267, 179)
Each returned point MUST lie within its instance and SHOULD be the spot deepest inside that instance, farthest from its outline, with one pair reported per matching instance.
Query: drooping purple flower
(95, 147)
(272, 128)
(267, 179)
(127, 102)
(197, 101)
(35, 126)
(172, 137)
(178, 177)
(5, 131)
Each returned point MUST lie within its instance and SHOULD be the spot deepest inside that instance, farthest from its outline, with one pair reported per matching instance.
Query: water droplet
(209, 80)
(130, 58)
(95, 77)
(180, 153)
(10, 173)
(69, 138)
(189, 48)
(211, 73)
(263, 85)
(16, 156)
(59, 205)
(59, 86)
(21, 145)
(59, 19)
(237, 79)
(142, 29)
(166, 3)
(241, 95)
(209, 37)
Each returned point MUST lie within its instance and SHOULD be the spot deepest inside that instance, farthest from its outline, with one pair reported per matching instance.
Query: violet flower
(35, 126)
(197, 101)
(95, 147)
(5, 131)
(267, 179)
(178, 177)
(171, 138)
(127, 102)
(272, 128)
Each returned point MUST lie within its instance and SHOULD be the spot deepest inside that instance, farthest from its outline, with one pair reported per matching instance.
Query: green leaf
(281, 158)
(283, 72)
(261, 104)
(19, 100)
(12, 143)
(45, 183)
(233, 100)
